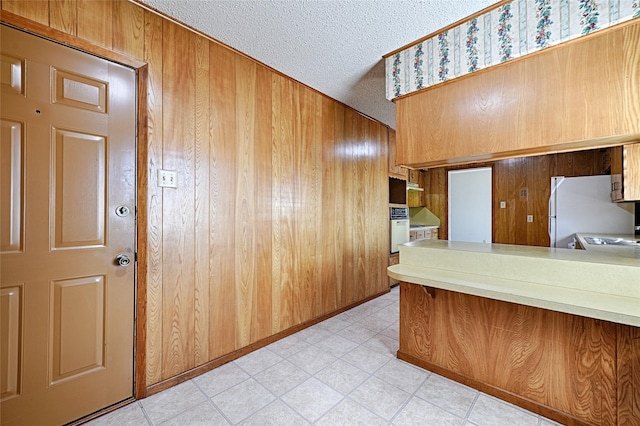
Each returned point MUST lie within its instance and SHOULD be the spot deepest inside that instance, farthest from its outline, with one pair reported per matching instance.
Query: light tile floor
(342, 371)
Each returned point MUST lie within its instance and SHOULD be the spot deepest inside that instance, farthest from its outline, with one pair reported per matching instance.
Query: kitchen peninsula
(555, 331)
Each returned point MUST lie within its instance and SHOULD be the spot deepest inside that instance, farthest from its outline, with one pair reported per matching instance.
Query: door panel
(79, 91)
(68, 162)
(76, 340)
(11, 74)
(12, 170)
(10, 342)
(79, 207)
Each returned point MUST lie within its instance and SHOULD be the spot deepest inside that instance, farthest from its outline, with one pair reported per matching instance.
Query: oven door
(399, 233)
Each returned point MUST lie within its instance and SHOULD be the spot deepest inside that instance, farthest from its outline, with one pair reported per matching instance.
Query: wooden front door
(67, 210)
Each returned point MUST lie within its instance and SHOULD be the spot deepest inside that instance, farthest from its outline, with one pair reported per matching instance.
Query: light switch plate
(529, 218)
(503, 204)
(167, 179)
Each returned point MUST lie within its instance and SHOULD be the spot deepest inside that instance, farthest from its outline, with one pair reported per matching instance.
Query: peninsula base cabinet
(394, 259)
(426, 233)
(572, 369)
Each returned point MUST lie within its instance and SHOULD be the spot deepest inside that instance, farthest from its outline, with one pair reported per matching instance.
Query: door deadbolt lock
(123, 260)
(122, 211)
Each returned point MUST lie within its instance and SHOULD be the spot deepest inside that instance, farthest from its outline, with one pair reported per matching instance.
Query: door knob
(123, 260)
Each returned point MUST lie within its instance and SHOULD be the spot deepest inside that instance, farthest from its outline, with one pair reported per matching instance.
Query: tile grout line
(144, 413)
(210, 399)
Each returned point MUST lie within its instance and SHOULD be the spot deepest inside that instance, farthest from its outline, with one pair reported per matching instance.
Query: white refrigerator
(583, 205)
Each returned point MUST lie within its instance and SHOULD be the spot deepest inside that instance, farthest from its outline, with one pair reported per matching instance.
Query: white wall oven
(398, 227)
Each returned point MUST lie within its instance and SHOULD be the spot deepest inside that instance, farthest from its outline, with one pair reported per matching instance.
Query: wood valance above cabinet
(578, 95)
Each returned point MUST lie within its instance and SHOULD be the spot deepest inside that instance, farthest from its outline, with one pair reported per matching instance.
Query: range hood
(412, 186)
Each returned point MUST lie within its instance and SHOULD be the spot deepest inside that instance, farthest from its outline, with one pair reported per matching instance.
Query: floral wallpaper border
(511, 30)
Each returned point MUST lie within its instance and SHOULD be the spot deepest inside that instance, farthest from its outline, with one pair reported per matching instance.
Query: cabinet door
(631, 172)
(616, 188)
(616, 173)
(394, 169)
(625, 172)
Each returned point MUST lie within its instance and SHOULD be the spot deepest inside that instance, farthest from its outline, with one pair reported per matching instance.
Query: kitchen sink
(611, 241)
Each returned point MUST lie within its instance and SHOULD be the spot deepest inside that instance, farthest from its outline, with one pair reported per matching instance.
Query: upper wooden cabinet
(394, 169)
(584, 93)
(625, 173)
(414, 177)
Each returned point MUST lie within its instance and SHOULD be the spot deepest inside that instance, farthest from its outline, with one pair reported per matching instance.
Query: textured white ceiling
(335, 47)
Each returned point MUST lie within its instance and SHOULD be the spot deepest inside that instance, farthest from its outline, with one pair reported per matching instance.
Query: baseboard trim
(208, 366)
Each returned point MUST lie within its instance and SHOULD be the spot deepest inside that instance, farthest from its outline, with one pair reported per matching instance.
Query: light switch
(503, 204)
(167, 179)
(529, 218)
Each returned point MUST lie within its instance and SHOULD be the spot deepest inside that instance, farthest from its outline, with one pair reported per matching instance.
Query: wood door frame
(141, 69)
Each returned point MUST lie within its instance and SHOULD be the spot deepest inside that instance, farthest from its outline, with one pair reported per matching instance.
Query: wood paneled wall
(510, 177)
(280, 212)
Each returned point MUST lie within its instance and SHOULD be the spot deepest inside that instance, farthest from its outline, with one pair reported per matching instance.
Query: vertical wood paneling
(178, 204)
(303, 179)
(128, 29)
(262, 322)
(316, 219)
(360, 229)
(63, 15)
(94, 21)
(381, 195)
(277, 202)
(284, 243)
(153, 47)
(539, 184)
(280, 211)
(330, 237)
(375, 206)
(201, 179)
(435, 196)
(245, 224)
(222, 190)
(36, 10)
(349, 176)
(369, 181)
(307, 197)
(500, 193)
(342, 224)
(521, 200)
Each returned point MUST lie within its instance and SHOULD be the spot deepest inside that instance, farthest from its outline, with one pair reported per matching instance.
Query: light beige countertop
(591, 283)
